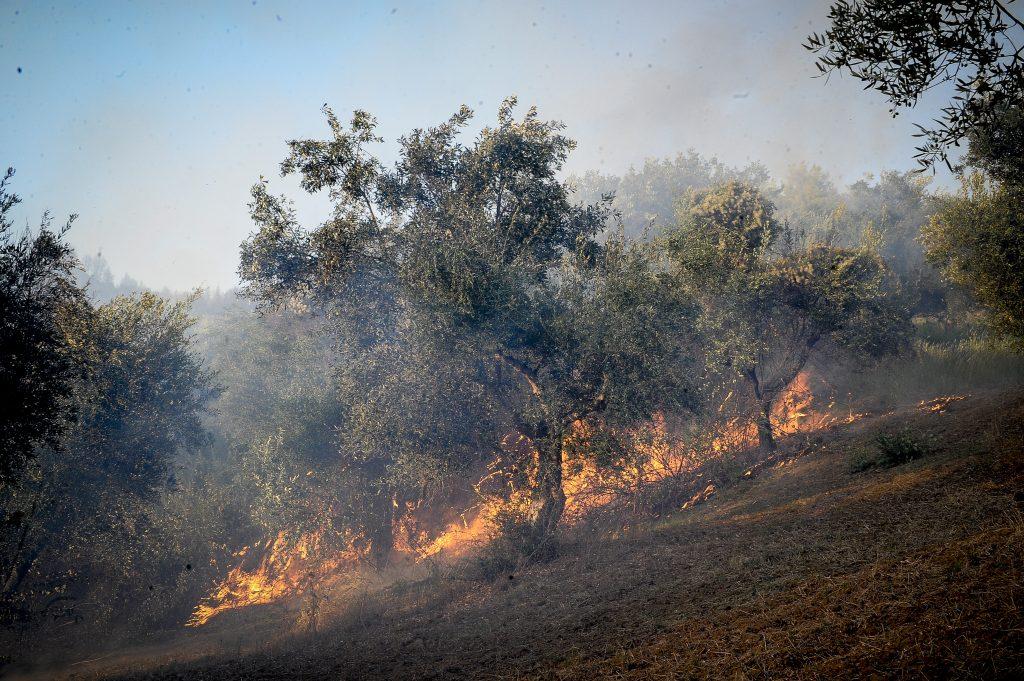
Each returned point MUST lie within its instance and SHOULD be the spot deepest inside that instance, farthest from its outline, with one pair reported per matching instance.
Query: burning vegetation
(284, 568)
(476, 367)
(463, 366)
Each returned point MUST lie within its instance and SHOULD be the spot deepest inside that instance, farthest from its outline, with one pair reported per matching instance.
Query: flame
(498, 493)
(284, 568)
(939, 404)
(287, 567)
(459, 538)
(792, 413)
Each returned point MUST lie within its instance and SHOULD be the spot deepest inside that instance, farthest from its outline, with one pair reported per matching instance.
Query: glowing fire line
(287, 568)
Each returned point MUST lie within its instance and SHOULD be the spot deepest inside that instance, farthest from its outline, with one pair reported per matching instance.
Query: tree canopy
(767, 302)
(40, 308)
(977, 240)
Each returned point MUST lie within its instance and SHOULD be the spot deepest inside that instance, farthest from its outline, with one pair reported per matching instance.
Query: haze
(153, 122)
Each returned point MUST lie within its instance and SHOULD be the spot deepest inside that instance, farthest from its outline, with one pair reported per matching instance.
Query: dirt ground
(804, 569)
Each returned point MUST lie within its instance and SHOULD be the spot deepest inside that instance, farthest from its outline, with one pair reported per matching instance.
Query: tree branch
(529, 375)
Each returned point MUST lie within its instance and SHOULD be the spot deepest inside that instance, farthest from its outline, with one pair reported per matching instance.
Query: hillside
(803, 568)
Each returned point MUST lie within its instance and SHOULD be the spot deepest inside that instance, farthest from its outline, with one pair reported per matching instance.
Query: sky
(153, 120)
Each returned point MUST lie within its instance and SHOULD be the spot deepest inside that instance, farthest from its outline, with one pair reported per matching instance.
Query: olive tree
(977, 240)
(475, 255)
(768, 304)
(89, 537)
(904, 48)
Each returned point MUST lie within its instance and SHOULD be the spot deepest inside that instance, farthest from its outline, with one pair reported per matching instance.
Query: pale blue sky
(152, 120)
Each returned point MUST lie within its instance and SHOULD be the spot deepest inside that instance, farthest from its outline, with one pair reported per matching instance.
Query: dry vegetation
(804, 568)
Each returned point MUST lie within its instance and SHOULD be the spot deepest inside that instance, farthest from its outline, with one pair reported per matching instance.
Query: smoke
(156, 138)
(730, 79)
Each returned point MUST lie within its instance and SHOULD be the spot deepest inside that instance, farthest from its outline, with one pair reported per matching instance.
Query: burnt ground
(804, 569)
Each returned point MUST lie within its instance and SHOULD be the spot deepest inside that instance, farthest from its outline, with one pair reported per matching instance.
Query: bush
(899, 448)
(514, 545)
(891, 449)
(863, 460)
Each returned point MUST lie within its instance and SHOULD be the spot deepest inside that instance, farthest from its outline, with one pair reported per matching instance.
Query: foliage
(896, 206)
(513, 544)
(98, 281)
(767, 303)
(810, 201)
(899, 448)
(466, 266)
(892, 449)
(419, 418)
(645, 197)
(277, 416)
(89, 536)
(40, 307)
(998, 148)
(904, 48)
(977, 240)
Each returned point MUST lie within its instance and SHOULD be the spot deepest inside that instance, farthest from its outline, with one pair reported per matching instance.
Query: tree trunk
(382, 533)
(18, 574)
(548, 496)
(765, 437)
(19, 567)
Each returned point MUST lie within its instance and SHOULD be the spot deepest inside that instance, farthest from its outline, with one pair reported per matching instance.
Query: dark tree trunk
(765, 437)
(548, 496)
(18, 574)
(14, 573)
(382, 533)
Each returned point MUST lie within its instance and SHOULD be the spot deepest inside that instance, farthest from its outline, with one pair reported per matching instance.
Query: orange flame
(939, 404)
(283, 569)
(288, 568)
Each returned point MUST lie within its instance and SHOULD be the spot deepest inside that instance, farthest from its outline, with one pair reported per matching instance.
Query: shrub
(515, 543)
(899, 448)
(891, 449)
(863, 460)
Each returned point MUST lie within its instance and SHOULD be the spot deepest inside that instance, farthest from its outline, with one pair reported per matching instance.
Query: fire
(459, 537)
(649, 457)
(284, 568)
(939, 404)
(287, 567)
(793, 413)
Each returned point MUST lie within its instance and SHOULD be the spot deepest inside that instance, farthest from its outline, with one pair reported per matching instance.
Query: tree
(646, 196)
(904, 48)
(87, 513)
(40, 305)
(473, 252)
(809, 199)
(767, 305)
(277, 415)
(896, 205)
(998, 149)
(977, 240)
(98, 281)
(423, 412)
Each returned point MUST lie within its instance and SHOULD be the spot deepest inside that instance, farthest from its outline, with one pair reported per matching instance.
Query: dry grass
(804, 569)
(952, 610)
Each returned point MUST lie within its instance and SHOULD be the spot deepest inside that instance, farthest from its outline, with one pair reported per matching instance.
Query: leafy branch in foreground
(905, 48)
